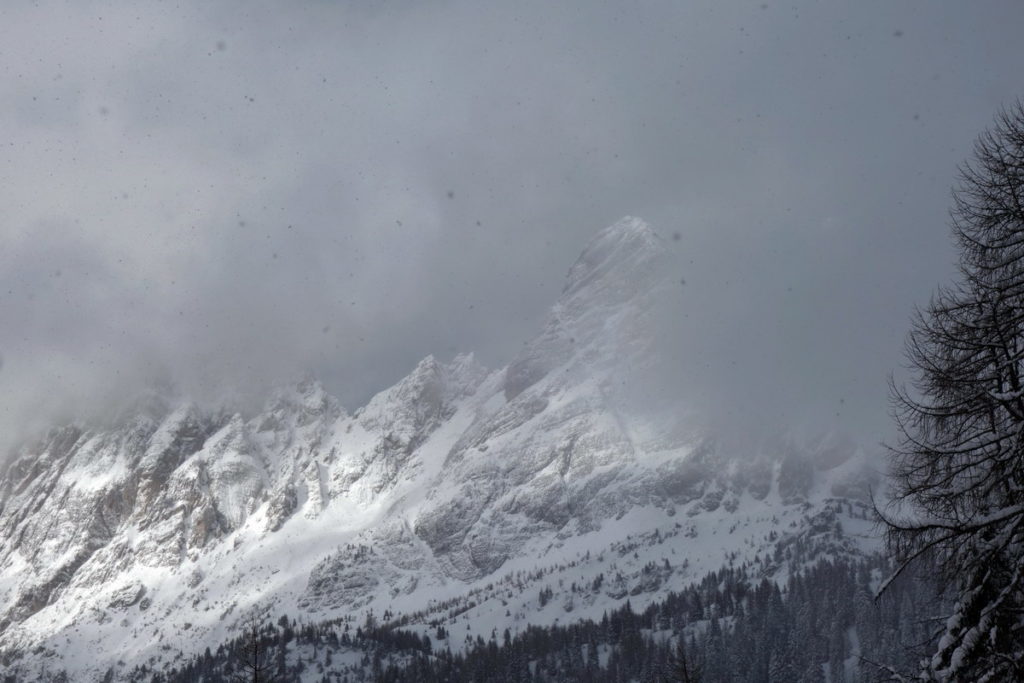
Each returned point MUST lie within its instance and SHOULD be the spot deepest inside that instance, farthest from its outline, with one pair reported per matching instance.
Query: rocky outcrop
(441, 481)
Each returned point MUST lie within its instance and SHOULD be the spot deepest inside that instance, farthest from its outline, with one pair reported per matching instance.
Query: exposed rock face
(439, 482)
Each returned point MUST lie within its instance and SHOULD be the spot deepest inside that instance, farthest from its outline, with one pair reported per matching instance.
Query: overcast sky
(235, 193)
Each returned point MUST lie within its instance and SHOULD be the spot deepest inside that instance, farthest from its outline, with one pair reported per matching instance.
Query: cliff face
(168, 524)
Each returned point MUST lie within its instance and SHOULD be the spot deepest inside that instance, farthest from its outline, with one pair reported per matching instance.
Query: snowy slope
(147, 539)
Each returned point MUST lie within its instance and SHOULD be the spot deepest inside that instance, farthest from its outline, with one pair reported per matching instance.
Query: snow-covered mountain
(147, 539)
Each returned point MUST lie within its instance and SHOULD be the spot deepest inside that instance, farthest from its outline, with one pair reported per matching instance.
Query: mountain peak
(620, 250)
(614, 279)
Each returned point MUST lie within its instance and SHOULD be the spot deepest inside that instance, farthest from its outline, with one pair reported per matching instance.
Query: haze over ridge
(235, 195)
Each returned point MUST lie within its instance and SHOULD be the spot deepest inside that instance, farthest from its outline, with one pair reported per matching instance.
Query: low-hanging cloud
(233, 194)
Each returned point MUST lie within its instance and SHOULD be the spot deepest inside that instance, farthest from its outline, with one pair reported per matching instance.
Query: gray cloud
(236, 193)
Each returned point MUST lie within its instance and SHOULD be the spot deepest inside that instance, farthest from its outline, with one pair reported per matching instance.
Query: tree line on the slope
(824, 624)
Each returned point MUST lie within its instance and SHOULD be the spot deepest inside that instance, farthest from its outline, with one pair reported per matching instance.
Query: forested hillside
(824, 624)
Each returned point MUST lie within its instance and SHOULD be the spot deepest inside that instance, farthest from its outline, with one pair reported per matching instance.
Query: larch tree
(958, 465)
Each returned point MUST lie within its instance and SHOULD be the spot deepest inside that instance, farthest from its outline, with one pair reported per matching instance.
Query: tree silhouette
(958, 466)
(251, 657)
(681, 668)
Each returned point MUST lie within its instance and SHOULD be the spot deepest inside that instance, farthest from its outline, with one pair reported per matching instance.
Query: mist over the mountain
(460, 341)
(584, 454)
(233, 195)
